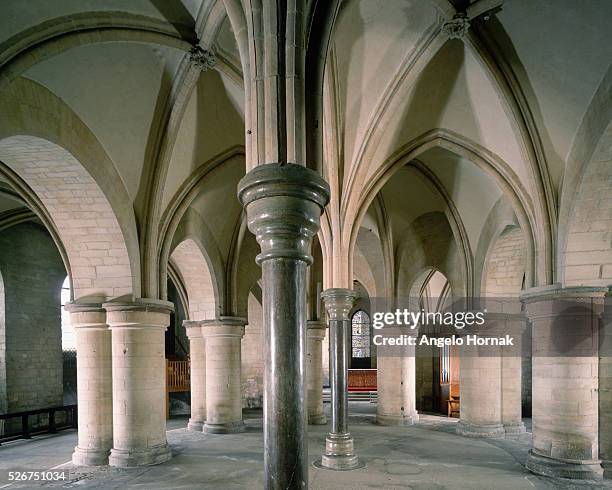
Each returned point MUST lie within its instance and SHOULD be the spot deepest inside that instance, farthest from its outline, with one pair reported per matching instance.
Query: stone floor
(428, 455)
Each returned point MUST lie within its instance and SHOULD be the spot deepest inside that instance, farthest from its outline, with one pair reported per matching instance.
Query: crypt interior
(203, 203)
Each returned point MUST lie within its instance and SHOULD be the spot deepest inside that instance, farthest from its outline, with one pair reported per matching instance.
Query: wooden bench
(362, 380)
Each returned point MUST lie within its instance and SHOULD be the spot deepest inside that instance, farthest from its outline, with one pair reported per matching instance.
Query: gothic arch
(58, 131)
(55, 36)
(436, 256)
(588, 136)
(539, 264)
(587, 257)
(176, 209)
(188, 260)
(83, 218)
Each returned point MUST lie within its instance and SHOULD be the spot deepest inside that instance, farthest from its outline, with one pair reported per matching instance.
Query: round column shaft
(339, 447)
(316, 334)
(605, 388)
(396, 390)
(565, 331)
(94, 384)
(197, 368)
(139, 382)
(481, 383)
(222, 338)
(512, 376)
(284, 203)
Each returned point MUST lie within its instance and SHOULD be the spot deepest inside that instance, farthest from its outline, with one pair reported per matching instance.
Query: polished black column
(284, 203)
(339, 447)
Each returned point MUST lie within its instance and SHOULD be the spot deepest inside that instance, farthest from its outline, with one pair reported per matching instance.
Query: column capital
(78, 307)
(338, 302)
(554, 291)
(138, 313)
(315, 329)
(193, 328)
(86, 315)
(225, 326)
(284, 203)
(140, 304)
(551, 300)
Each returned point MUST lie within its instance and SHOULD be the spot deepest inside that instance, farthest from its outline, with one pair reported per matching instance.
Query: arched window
(360, 338)
(68, 340)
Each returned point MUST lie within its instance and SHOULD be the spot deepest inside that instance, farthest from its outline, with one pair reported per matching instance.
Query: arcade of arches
(208, 200)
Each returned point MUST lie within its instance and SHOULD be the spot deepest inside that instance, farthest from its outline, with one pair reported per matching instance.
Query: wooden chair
(453, 402)
(178, 379)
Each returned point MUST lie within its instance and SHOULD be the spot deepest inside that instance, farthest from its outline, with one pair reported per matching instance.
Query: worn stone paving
(428, 456)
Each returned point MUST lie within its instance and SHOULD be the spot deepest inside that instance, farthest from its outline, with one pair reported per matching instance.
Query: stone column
(512, 377)
(605, 388)
(565, 324)
(480, 379)
(197, 367)
(223, 367)
(480, 385)
(283, 204)
(139, 382)
(396, 389)
(94, 384)
(314, 371)
(339, 447)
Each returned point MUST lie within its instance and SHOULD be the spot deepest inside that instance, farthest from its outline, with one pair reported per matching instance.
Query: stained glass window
(360, 326)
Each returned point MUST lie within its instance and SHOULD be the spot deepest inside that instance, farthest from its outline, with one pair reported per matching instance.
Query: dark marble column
(283, 204)
(339, 448)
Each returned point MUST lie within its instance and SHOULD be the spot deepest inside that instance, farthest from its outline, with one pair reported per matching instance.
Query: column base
(226, 428)
(514, 429)
(90, 457)
(559, 468)
(317, 419)
(397, 420)
(339, 454)
(195, 425)
(124, 458)
(483, 431)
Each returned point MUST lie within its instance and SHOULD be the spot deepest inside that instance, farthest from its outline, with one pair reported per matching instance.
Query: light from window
(68, 340)
(360, 339)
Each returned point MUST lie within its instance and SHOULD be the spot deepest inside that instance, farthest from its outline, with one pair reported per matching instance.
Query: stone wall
(87, 224)
(33, 274)
(503, 278)
(588, 252)
(505, 267)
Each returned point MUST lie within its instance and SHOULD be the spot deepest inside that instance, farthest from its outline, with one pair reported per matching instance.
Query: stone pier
(223, 338)
(139, 377)
(94, 384)
(197, 359)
